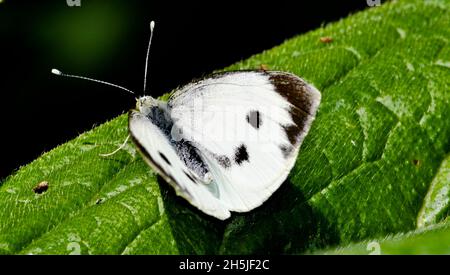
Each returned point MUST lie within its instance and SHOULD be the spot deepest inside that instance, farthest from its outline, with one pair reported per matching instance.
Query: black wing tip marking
(296, 91)
(304, 100)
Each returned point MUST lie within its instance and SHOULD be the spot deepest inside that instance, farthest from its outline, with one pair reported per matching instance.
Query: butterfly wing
(160, 153)
(247, 126)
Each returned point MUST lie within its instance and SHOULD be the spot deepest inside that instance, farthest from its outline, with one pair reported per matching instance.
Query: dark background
(107, 40)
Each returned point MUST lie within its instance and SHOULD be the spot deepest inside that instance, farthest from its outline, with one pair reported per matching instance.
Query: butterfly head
(145, 102)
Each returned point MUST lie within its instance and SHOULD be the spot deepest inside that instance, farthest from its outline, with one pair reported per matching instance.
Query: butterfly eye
(164, 158)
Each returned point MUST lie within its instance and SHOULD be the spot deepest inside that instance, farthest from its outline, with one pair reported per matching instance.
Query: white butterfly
(228, 141)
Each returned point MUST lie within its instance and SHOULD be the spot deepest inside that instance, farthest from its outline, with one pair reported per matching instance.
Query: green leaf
(436, 203)
(368, 168)
(431, 240)
(431, 237)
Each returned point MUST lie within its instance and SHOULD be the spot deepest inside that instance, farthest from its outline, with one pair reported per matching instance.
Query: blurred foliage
(84, 37)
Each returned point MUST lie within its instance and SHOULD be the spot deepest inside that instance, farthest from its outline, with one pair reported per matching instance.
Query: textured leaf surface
(432, 236)
(368, 168)
(433, 239)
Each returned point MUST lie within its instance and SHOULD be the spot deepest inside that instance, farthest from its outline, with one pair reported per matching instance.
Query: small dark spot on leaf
(87, 143)
(263, 67)
(416, 162)
(326, 39)
(241, 154)
(41, 187)
(164, 158)
(99, 201)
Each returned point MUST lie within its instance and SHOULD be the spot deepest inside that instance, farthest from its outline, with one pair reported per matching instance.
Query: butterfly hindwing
(160, 153)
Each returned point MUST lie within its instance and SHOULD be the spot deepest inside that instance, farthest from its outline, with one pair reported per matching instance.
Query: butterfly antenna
(58, 72)
(152, 26)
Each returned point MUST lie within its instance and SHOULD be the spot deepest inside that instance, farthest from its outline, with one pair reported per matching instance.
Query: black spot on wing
(241, 154)
(224, 161)
(190, 177)
(164, 158)
(254, 119)
(188, 154)
(286, 150)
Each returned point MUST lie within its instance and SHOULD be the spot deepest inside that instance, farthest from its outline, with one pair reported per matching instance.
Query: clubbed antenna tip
(56, 71)
(152, 25)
